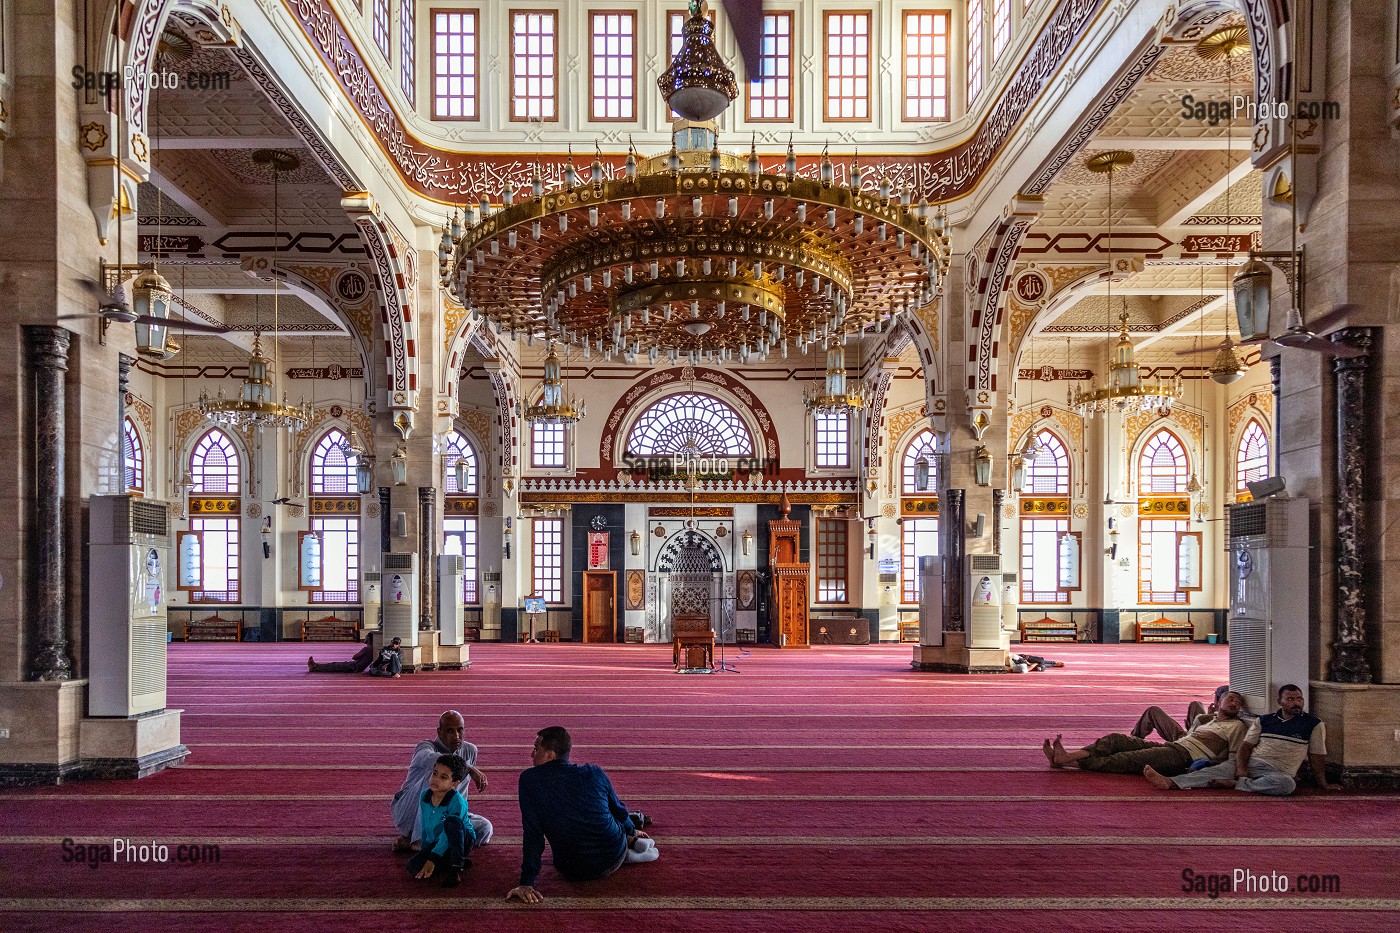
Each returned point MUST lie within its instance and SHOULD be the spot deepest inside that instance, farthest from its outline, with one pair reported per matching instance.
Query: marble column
(998, 499)
(1276, 387)
(123, 384)
(950, 511)
(47, 347)
(386, 521)
(1349, 664)
(427, 557)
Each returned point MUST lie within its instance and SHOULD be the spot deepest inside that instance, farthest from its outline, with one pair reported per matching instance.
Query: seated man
(353, 666)
(573, 806)
(1156, 718)
(1270, 756)
(449, 741)
(1212, 740)
(390, 661)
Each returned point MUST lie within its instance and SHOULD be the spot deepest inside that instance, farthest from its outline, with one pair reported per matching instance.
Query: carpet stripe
(499, 840)
(740, 904)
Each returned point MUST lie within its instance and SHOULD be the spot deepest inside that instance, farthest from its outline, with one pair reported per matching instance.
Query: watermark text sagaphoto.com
(85, 80)
(1241, 107)
(132, 852)
(1250, 882)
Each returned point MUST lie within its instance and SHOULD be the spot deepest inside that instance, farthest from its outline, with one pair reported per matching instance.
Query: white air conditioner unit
(1010, 604)
(984, 601)
(128, 557)
(491, 605)
(370, 598)
(398, 579)
(449, 599)
(931, 600)
(1269, 599)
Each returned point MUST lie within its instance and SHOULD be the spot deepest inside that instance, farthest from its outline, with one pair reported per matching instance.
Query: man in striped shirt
(1270, 756)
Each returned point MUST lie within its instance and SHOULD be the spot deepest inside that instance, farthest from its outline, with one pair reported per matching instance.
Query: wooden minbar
(789, 622)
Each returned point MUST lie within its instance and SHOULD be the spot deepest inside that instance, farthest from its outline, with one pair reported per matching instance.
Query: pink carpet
(828, 789)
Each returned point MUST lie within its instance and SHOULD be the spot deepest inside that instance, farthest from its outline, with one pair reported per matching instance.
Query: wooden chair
(329, 628)
(213, 628)
(692, 631)
(1048, 629)
(1165, 629)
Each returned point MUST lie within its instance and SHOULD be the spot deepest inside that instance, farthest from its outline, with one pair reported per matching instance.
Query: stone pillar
(47, 347)
(386, 522)
(427, 557)
(123, 383)
(1349, 664)
(950, 511)
(998, 498)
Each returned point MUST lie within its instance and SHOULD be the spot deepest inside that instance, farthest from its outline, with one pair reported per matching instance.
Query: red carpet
(830, 789)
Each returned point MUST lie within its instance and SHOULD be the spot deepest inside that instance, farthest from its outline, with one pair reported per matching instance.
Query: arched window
(1046, 575)
(215, 468)
(922, 446)
(335, 522)
(459, 448)
(1162, 466)
(459, 522)
(135, 457)
(214, 464)
(1048, 473)
(332, 468)
(689, 424)
(918, 530)
(1251, 457)
(1169, 553)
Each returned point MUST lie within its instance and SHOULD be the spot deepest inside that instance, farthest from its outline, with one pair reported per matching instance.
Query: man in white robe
(450, 741)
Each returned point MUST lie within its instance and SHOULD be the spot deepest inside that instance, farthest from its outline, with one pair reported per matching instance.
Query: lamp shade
(1252, 285)
(398, 464)
(153, 297)
(982, 465)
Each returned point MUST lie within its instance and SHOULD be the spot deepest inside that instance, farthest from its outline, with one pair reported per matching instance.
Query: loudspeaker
(401, 524)
(979, 528)
(1265, 488)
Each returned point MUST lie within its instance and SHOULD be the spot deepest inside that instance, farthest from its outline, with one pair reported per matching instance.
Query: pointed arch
(333, 466)
(135, 457)
(1252, 457)
(215, 464)
(1049, 473)
(458, 447)
(1163, 465)
(923, 444)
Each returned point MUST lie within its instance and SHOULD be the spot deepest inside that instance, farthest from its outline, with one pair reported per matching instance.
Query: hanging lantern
(364, 475)
(921, 474)
(1253, 283)
(153, 298)
(982, 465)
(459, 473)
(398, 466)
(635, 540)
(1018, 472)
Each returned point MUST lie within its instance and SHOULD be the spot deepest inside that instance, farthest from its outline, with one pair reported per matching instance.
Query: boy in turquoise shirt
(446, 832)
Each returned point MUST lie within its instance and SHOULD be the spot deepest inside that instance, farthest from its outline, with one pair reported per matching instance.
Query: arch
(1163, 465)
(214, 464)
(1252, 455)
(718, 383)
(1049, 473)
(135, 480)
(458, 447)
(689, 423)
(923, 444)
(670, 553)
(332, 470)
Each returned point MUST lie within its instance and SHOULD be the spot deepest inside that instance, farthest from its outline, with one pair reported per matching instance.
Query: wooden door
(600, 605)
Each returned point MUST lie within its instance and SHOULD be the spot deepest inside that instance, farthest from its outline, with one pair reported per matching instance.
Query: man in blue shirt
(574, 807)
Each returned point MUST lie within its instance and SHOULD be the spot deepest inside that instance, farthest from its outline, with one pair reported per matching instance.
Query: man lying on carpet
(1156, 718)
(1021, 663)
(450, 741)
(573, 806)
(1212, 740)
(1269, 759)
(353, 666)
(446, 825)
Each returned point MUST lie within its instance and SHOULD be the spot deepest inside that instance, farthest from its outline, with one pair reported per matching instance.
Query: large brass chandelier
(1125, 391)
(256, 405)
(697, 254)
(553, 408)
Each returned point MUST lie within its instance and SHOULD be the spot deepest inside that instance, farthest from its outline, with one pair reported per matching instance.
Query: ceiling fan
(112, 308)
(1298, 336)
